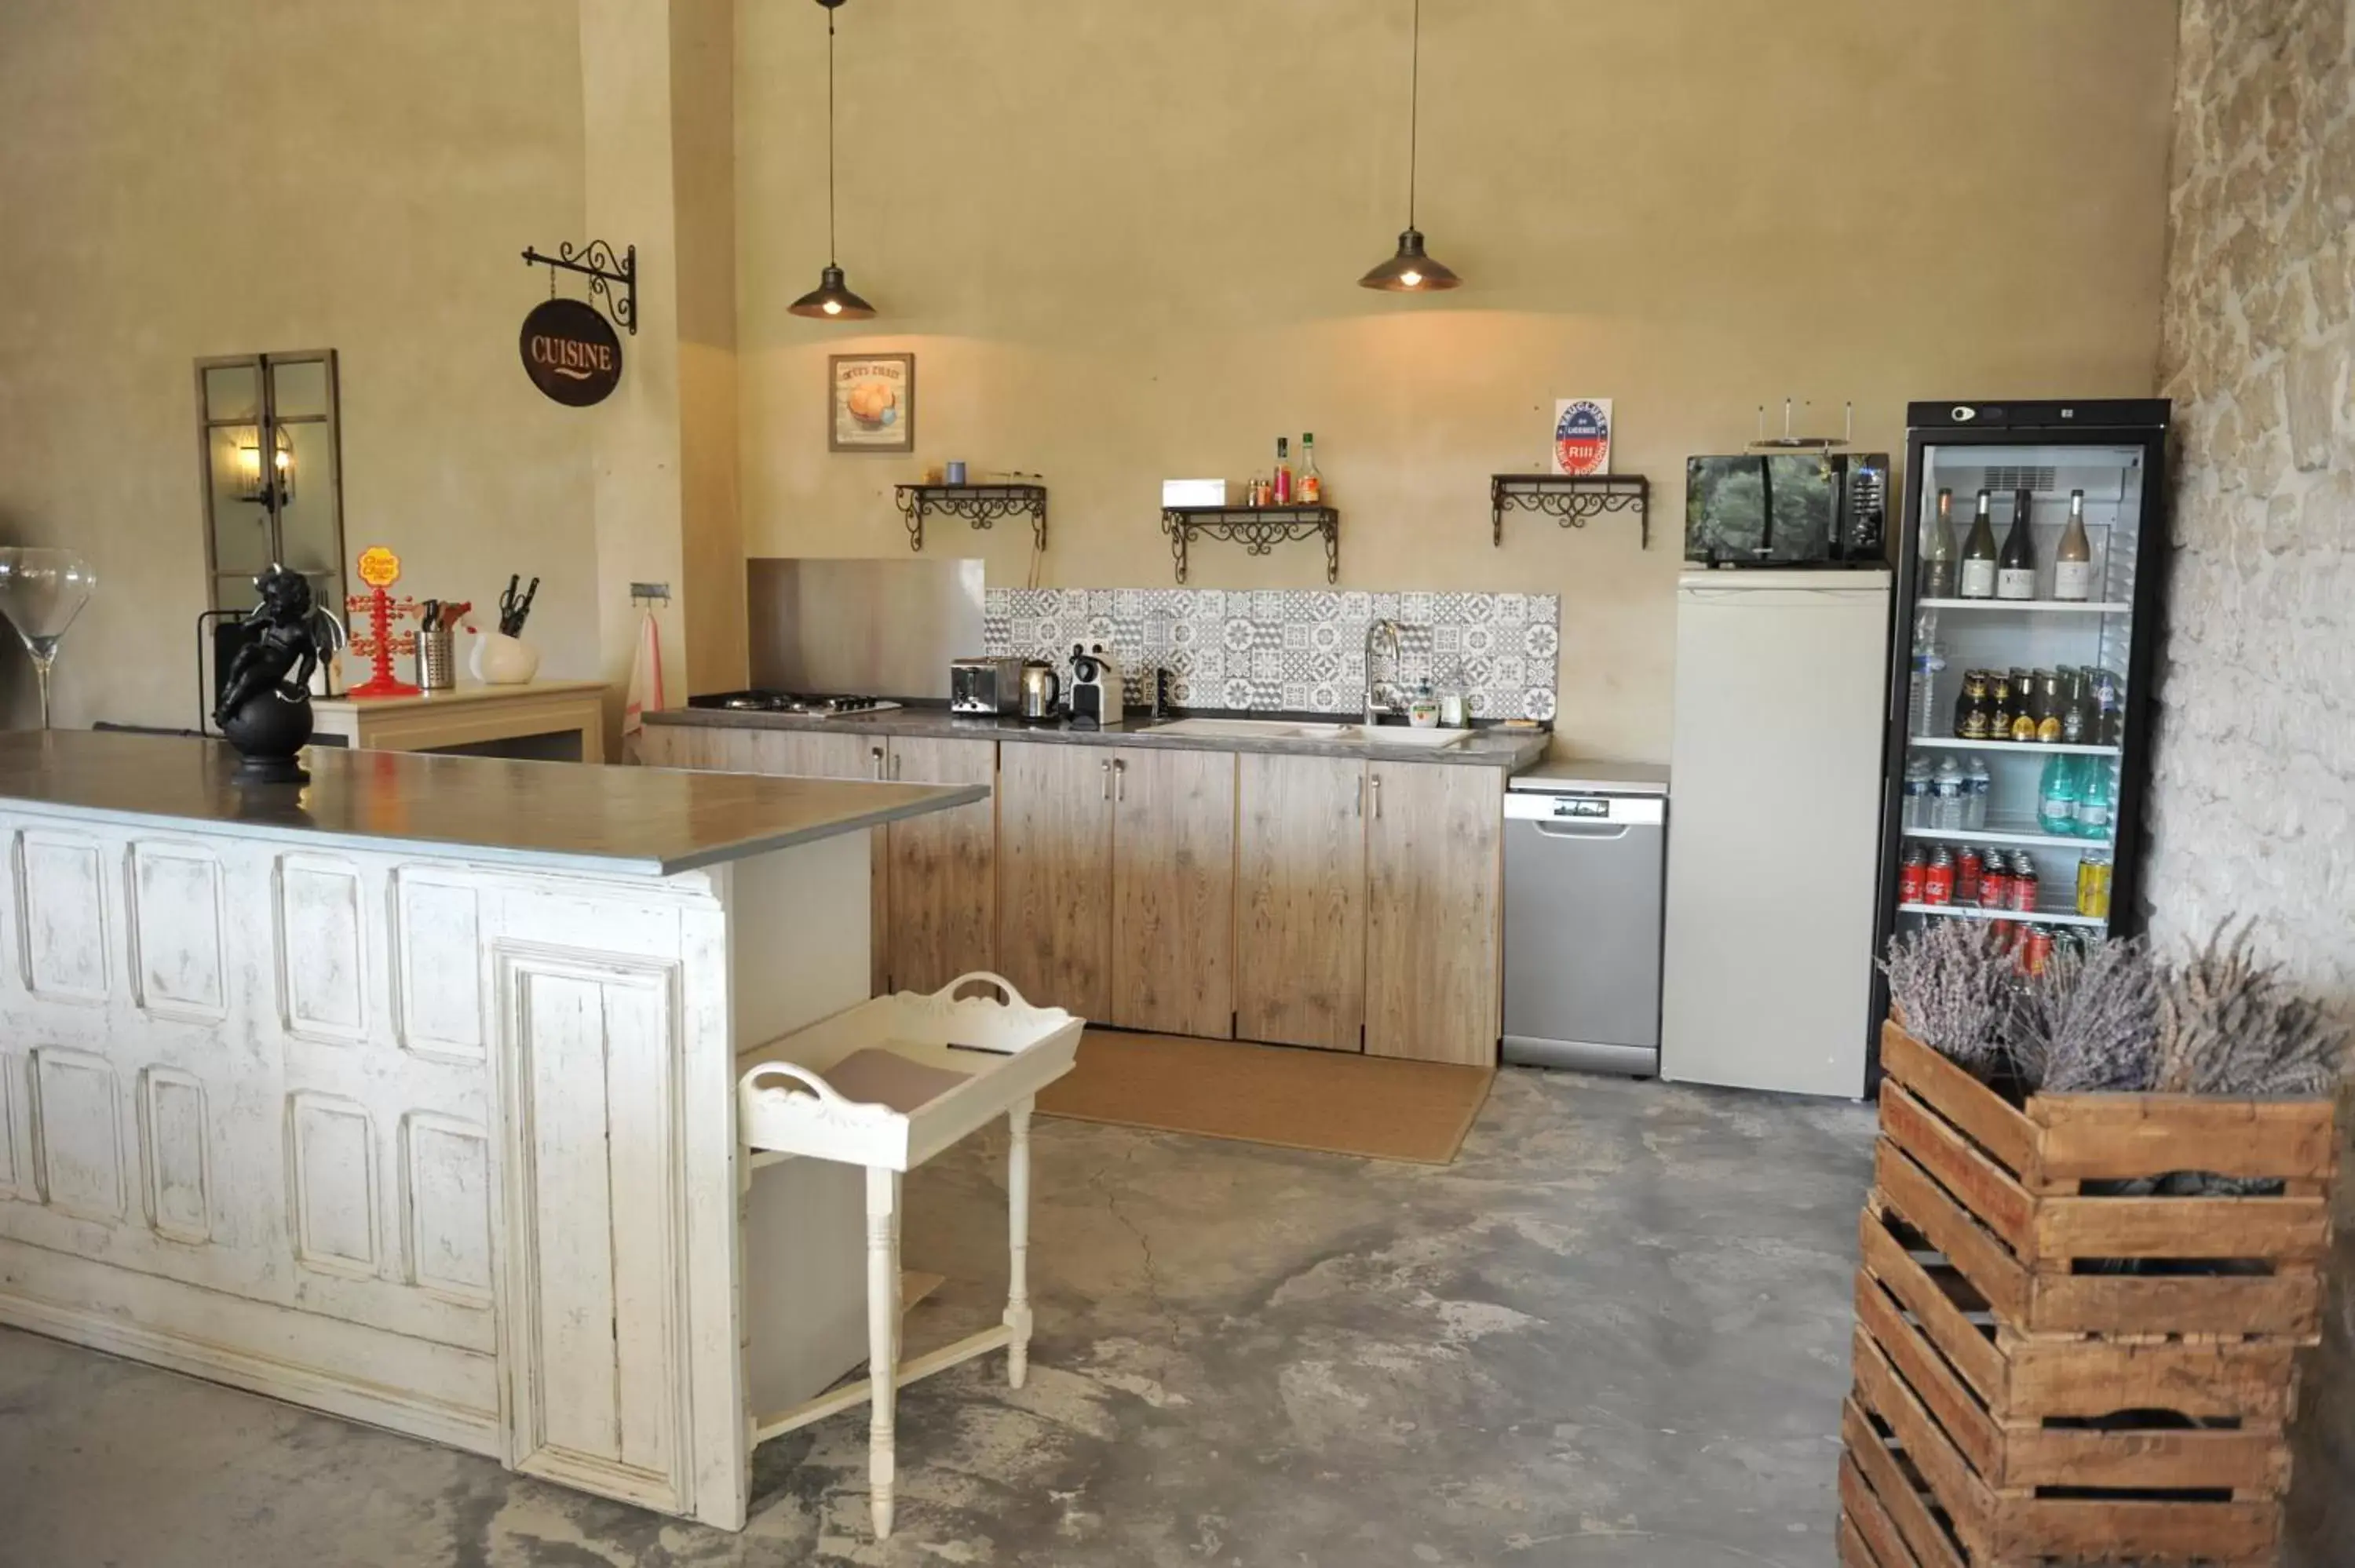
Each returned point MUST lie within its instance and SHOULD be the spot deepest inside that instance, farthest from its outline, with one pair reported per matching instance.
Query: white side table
(887, 1084)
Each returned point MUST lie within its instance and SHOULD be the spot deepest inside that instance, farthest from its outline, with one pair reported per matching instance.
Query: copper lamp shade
(832, 300)
(1410, 272)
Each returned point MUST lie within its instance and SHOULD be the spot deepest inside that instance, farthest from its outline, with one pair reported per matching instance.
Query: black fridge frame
(2112, 422)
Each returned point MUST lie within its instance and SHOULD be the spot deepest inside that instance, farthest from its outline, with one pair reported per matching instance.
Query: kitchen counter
(1495, 747)
(631, 820)
(409, 1095)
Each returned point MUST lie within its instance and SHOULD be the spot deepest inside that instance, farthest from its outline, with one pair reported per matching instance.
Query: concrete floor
(1615, 1334)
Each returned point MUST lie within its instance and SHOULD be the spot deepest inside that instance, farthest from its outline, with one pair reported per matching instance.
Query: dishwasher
(1585, 861)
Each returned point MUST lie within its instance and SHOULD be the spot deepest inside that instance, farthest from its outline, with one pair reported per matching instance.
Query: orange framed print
(871, 403)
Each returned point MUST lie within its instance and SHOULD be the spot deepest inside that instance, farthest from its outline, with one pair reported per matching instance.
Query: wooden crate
(2012, 1410)
(1998, 1189)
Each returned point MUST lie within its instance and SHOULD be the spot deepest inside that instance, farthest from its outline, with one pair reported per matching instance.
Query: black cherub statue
(265, 700)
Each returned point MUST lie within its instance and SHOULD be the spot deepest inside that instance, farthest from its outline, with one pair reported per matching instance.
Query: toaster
(984, 685)
(1095, 686)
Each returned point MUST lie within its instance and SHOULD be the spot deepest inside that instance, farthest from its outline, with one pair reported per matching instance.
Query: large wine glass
(41, 591)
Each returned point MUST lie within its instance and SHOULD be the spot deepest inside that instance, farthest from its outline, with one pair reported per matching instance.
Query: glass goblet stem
(41, 672)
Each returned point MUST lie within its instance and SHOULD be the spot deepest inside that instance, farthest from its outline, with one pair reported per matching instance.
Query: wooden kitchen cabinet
(940, 882)
(1433, 886)
(1300, 901)
(1173, 891)
(1054, 874)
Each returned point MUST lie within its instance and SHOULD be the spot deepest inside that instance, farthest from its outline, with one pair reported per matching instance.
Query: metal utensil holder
(437, 660)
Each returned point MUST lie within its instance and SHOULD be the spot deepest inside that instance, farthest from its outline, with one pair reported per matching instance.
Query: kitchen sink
(1294, 730)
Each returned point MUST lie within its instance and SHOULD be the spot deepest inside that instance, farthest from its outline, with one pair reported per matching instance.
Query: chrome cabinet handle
(1107, 778)
(895, 765)
(1120, 779)
(1361, 794)
(1378, 796)
(876, 753)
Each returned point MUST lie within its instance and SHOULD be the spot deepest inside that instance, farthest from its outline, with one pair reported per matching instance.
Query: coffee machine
(1095, 687)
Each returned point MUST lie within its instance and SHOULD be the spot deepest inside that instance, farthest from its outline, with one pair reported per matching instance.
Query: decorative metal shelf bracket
(1258, 529)
(979, 504)
(605, 271)
(1569, 499)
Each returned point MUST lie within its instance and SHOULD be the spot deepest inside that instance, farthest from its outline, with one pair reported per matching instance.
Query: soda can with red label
(1970, 872)
(2036, 950)
(1910, 873)
(2025, 887)
(1995, 882)
(1938, 877)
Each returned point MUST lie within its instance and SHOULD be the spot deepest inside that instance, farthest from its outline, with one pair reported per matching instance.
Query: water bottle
(1948, 790)
(1922, 695)
(1917, 793)
(2056, 796)
(1981, 785)
(2093, 800)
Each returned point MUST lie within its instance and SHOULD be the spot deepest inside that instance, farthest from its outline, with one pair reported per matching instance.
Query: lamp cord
(1413, 104)
(831, 258)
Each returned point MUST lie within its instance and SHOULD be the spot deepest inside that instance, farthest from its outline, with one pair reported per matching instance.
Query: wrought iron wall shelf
(979, 504)
(1569, 499)
(1258, 529)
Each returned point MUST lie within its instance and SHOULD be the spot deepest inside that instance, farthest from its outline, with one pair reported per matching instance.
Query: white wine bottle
(2073, 559)
(1978, 555)
(2015, 569)
(1938, 550)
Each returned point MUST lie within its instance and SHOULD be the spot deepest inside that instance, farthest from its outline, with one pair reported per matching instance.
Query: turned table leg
(882, 1338)
(1018, 1236)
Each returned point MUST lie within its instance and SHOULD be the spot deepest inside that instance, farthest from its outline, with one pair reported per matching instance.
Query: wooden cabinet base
(1434, 844)
(1300, 901)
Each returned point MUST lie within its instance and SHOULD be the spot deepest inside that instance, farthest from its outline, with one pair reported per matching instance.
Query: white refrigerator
(1767, 976)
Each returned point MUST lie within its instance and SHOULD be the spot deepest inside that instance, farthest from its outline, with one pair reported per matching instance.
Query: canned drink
(2036, 948)
(1910, 873)
(2094, 885)
(2025, 887)
(1970, 871)
(1995, 882)
(1938, 877)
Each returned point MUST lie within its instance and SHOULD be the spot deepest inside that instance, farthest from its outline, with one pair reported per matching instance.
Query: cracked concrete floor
(1613, 1333)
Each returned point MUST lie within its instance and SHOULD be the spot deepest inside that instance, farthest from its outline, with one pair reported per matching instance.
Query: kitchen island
(1290, 881)
(409, 1096)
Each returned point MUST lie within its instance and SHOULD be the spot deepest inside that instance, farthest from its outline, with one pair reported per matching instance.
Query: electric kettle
(1042, 692)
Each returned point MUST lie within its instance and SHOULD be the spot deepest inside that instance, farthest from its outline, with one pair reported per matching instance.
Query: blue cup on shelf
(956, 472)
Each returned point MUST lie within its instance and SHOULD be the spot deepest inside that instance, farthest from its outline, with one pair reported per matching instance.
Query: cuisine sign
(570, 353)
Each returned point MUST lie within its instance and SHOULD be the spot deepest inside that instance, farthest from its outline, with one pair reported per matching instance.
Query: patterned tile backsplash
(1291, 650)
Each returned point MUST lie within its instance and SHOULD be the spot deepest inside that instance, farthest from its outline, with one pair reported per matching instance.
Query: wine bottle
(1938, 550)
(2072, 560)
(1978, 555)
(2015, 573)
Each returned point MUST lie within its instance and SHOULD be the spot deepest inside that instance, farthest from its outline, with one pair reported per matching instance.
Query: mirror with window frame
(272, 480)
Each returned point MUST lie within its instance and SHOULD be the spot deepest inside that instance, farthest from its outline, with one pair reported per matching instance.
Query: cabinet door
(1054, 874)
(1300, 901)
(805, 754)
(680, 746)
(941, 888)
(1173, 886)
(1434, 838)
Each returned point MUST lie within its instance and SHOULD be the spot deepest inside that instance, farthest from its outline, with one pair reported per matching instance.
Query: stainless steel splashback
(882, 628)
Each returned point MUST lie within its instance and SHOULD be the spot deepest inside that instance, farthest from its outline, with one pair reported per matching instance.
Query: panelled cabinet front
(1433, 878)
(1300, 901)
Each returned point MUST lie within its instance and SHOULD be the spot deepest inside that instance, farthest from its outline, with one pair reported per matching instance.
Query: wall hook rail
(606, 272)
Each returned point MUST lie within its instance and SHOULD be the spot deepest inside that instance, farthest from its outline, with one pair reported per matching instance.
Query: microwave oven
(1788, 509)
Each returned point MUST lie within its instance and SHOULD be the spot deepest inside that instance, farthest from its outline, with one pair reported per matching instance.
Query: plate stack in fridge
(2028, 588)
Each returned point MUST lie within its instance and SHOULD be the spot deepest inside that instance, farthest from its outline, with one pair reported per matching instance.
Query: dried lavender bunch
(1950, 980)
(2089, 1023)
(2230, 1025)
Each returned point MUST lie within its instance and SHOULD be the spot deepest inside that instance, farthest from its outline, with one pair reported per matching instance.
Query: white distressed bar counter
(412, 1097)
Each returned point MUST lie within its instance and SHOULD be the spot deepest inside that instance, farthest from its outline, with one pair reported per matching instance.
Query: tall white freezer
(1767, 977)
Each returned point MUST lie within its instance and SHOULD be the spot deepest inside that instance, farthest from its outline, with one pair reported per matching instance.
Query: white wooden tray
(938, 1067)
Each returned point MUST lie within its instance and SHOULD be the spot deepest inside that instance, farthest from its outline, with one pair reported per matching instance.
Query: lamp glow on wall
(1412, 271)
(282, 461)
(832, 300)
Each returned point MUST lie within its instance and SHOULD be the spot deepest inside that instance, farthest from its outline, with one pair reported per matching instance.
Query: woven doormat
(1291, 1096)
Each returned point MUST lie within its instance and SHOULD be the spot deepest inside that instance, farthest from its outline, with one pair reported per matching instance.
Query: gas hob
(809, 704)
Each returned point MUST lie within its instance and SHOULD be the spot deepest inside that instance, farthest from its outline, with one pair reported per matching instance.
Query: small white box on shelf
(1198, 492)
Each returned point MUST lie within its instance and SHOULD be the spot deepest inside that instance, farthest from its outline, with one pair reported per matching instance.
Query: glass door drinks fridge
(2021, 650)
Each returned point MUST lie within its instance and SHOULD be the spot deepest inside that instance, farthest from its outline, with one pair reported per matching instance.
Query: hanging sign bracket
(606, 271)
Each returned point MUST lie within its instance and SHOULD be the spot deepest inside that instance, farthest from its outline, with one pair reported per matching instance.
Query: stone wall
(2255, 803)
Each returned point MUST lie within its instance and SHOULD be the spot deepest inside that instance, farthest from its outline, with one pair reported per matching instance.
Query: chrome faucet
(1385, 628)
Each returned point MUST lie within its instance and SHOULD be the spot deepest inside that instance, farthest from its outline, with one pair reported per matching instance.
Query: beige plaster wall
(179, 180)
(1122, 242)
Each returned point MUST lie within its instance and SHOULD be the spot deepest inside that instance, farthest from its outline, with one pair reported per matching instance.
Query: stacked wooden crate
(2049, 1372)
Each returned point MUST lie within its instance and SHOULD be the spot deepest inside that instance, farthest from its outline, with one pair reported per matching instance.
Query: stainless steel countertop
(644, 822)
(1491, 747)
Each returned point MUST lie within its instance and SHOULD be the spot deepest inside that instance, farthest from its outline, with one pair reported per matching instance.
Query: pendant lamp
(1412, 271)
(832, 300)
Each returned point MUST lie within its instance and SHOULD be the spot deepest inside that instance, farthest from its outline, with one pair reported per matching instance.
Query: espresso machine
(1095, 687)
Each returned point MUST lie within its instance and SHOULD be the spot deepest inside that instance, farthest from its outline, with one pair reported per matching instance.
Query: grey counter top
(1491, 747)
(645, 821)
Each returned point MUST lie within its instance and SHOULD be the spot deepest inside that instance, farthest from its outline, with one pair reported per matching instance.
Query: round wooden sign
(379, 567)
(569, 351)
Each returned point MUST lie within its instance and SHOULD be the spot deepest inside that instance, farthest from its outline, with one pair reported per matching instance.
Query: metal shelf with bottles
(2020, 671)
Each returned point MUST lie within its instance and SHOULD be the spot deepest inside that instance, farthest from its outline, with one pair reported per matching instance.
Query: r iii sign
(570, 353)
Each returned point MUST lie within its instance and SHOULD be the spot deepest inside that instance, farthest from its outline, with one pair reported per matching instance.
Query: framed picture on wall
(872, 402)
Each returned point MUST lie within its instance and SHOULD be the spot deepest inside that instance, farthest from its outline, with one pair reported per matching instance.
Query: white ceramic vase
(499, 659)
